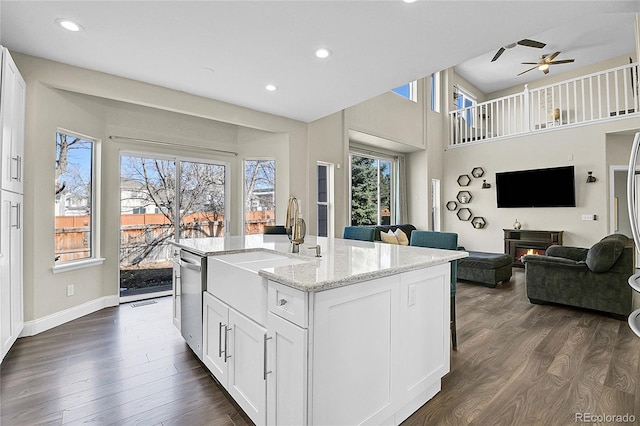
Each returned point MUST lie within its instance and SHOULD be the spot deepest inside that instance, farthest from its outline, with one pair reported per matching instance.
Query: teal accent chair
(447, 241)
(275, 229)
(363, 233)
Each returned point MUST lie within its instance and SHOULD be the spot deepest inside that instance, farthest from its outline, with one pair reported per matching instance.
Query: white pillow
(389, 237)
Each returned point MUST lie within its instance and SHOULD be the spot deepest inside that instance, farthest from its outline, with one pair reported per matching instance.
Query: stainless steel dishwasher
(193, 281)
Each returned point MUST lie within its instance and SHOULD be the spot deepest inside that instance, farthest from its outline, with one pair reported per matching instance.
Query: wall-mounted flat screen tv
(552, 187)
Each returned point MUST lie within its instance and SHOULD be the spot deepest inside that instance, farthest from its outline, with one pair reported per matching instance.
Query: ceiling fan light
(543, 67)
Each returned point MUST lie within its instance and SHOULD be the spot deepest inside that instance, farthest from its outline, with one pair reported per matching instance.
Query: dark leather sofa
(594, 278)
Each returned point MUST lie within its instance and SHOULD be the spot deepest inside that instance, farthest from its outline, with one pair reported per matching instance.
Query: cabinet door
(354, 342)
(424, 329)
(214, 336)
(287, 372)
(11, 262)
(12, 111)
(247, 369)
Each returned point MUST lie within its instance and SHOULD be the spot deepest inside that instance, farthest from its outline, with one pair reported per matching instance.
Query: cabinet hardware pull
(18, 161)
(176, 279)
(220, 351)
(282, 302)
(17, 224)
(226, 343)
(264, 369)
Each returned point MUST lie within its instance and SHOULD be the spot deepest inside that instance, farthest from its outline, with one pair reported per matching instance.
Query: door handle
(226, 343)
(190, 264)
(17, 223)
(220, 351)
(264, 367)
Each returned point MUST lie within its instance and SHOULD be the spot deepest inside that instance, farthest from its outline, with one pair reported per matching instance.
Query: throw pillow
(403, 240)
(389, 237)
(604, 254)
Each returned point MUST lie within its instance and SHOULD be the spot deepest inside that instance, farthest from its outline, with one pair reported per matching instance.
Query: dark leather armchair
(594, 278)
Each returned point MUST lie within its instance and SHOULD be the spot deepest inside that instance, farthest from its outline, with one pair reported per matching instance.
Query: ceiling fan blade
(530, 69)
(498, 53)
(551, 57)
(562, 61)
(531, 43)
(530, 63)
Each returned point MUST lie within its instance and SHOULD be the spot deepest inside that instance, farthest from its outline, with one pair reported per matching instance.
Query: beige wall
(583, 147)
(100, 105)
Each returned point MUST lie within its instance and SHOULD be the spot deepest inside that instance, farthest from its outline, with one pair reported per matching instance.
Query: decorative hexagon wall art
(478, 222)
(464, 197)
(477, 172)
(464, 180)
(452, 206)
(464, 214)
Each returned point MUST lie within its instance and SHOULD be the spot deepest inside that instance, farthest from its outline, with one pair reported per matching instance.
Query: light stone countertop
(343, 262)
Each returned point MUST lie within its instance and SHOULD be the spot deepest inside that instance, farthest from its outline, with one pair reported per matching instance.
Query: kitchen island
(358, 335)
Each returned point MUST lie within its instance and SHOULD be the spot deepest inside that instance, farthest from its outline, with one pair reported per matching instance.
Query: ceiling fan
(523, 42)
(545, 61)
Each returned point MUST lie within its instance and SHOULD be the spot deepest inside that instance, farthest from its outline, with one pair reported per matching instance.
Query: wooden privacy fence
(143, 237)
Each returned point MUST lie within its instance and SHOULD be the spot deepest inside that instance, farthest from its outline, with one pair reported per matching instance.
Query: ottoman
(486, 268)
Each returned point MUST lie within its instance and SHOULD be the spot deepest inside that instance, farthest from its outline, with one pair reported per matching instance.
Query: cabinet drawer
(288, 303)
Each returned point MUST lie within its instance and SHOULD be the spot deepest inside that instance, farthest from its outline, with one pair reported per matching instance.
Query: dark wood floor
(516, 364)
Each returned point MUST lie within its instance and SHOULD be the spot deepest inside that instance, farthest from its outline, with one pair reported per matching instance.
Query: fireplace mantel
(518, 242)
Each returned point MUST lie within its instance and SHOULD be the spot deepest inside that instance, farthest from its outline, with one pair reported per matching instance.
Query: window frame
(244, 188)
(94, 228)
(412, 89)
(393, 183)
(330, 200)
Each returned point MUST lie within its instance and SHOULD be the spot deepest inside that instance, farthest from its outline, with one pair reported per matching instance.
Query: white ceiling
(229, 50)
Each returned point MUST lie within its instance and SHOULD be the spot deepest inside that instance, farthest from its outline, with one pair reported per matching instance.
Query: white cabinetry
(11, 262)
(12, 112)
(234, 351)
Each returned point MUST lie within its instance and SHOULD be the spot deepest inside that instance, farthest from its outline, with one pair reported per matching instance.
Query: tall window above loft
(74, 198)
(373, 190)
(435, 91)
(409, 91)
(259, 195)
(465, 99)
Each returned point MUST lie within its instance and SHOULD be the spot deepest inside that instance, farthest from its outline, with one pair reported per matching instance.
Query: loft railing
(594, 97)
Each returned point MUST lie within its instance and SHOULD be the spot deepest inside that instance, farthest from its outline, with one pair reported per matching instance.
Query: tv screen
(552, 187)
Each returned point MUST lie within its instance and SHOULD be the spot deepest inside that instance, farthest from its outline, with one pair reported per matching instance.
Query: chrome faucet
(318, 250)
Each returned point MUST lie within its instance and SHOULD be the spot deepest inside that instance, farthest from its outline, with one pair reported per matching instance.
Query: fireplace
(519, 243)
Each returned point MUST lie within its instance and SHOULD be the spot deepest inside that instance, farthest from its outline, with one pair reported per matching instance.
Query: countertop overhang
(342, 262)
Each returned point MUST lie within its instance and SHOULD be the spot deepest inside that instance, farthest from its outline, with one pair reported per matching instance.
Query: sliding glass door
(155, 207)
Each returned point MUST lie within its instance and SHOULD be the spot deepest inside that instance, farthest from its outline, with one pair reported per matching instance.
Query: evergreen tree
(364, 191)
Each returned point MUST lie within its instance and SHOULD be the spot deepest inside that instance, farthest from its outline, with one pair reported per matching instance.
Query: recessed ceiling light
(409, 1)
(69, 25)
(271, 87)
(323, 53)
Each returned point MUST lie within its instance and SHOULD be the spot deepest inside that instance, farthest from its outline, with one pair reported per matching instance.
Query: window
(372, 190)
(325, 199)
(435, 91)
(465, 99)
(409, 91)
(75, 189)
(259, 195)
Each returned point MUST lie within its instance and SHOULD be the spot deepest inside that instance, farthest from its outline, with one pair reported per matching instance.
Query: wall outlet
(70, 290)
(588, 217)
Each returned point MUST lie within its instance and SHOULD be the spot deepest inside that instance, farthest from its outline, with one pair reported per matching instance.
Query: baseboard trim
(39, 325)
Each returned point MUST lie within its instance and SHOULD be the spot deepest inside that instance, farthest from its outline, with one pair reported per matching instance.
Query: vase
(517, 225)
